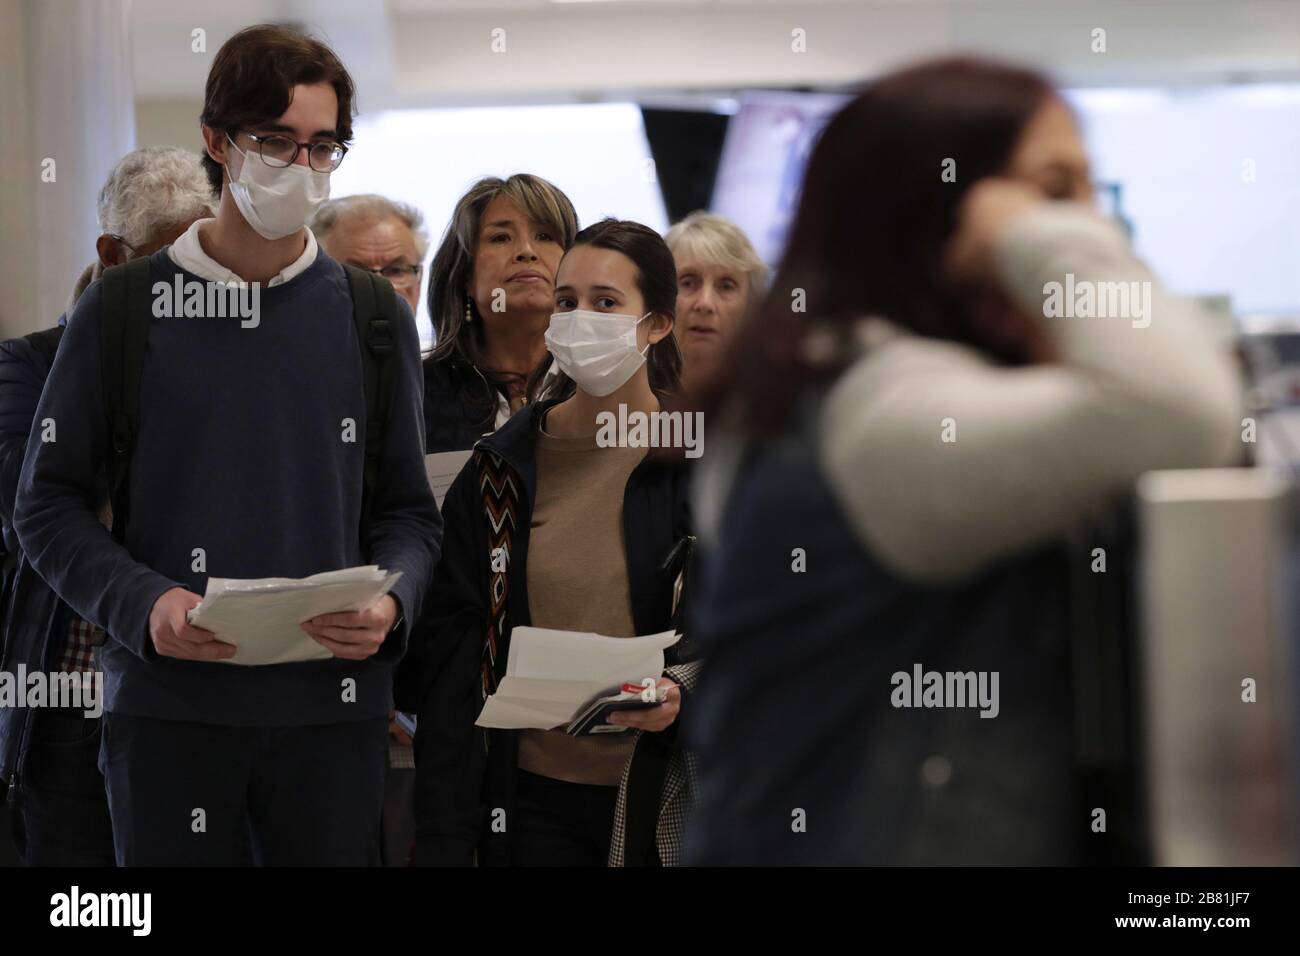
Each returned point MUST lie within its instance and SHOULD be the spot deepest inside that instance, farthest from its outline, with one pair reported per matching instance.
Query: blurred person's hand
(354, 635)
(653, 718)
(174, 636)
(987, 210)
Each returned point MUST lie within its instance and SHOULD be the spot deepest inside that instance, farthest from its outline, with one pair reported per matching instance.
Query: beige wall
(168, 123)
(65, 73)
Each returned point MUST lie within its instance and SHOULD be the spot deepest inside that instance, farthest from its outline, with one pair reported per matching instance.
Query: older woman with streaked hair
(718, 274)
(491, 295)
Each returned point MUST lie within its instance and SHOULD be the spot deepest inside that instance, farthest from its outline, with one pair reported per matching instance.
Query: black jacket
(459, 782)
(34, 620)
(456, 412)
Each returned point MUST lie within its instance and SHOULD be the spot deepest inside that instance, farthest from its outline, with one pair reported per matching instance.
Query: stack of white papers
(260, 616)
(551, 674)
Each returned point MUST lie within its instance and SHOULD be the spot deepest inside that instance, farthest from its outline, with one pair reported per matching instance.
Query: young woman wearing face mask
(590, 531)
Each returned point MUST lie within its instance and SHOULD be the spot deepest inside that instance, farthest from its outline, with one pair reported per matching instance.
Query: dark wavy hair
(656, 280)
(873, 219)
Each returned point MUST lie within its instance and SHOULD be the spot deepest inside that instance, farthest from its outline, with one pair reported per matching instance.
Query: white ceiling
(438, 52)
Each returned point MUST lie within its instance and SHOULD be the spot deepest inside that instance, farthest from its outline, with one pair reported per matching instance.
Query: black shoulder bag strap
(46, 344)
(374, 310)
(125, 315)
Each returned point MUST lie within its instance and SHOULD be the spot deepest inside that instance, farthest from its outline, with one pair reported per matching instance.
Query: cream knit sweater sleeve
(1031, 450)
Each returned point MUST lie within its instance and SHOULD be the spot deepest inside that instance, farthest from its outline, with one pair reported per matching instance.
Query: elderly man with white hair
(150, 198)
(377, 234)
(59, 811)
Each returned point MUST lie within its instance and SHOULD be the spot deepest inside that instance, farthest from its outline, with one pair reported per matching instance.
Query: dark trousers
(557, 823)
(195, 794)
(399, 816)
(60, 817)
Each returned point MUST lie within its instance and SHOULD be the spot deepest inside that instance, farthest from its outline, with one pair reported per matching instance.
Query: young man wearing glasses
(248, 462)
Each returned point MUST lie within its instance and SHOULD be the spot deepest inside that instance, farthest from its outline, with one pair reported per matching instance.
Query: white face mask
(596, 349)
(277, 202)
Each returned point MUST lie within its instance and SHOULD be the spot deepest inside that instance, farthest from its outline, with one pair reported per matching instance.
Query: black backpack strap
(374, 310)
(125, 316)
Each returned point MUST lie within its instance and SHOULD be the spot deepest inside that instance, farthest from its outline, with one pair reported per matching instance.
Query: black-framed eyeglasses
(280, 151)
(399, 273)
(113, 235)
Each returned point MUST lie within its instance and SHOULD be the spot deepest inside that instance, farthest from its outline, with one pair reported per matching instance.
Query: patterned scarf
(498, 484)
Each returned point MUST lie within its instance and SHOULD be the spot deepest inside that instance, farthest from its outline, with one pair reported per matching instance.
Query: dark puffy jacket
(458, 780)
(32, 613)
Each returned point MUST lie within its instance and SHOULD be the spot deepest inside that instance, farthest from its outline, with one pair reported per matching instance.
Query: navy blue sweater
(241, 452)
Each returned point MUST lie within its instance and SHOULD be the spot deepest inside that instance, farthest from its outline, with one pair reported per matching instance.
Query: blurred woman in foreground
(907, 457)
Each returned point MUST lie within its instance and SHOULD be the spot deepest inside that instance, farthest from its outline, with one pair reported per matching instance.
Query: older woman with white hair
(718, 274)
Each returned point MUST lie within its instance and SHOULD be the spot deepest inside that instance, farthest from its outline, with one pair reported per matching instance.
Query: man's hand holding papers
(354, 635)
(345, 614)
(174, 636)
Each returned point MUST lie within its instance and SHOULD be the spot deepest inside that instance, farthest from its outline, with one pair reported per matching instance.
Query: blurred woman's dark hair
(874, 215)
(656, 280)
(457, 339)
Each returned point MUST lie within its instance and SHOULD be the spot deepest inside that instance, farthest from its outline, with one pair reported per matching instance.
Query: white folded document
(442, 468)
(260, 616)
(550, 675)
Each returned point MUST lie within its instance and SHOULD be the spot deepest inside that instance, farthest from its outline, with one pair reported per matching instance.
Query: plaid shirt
(79, 650)
(677, 798)
(400, 756)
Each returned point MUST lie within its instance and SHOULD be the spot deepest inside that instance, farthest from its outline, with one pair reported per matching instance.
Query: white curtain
(65, 69)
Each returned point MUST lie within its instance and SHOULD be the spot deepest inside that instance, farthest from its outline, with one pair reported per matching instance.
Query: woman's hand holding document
(552, 676)
(264, 617)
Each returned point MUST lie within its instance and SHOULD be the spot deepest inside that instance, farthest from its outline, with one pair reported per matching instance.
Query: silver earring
(469, 313)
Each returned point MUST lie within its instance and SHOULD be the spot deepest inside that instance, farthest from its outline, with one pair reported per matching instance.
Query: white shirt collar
(187, 252)
(503, 407)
